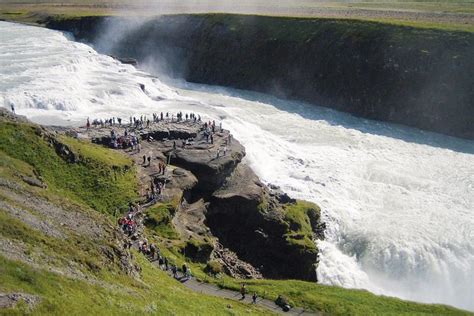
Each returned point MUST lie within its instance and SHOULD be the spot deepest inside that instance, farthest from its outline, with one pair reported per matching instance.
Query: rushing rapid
(398, 202)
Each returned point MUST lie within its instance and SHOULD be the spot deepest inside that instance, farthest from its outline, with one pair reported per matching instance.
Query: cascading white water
(398, 202)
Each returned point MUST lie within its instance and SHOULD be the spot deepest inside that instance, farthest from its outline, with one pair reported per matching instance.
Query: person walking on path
(185, 269)
(242, 291)
(254, 298)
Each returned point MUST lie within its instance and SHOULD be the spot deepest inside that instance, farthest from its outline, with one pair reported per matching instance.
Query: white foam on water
(398, 202)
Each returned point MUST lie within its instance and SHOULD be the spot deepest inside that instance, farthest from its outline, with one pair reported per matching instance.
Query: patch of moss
(198, 250)
(214, 267)
(301, 218)
(159, 219)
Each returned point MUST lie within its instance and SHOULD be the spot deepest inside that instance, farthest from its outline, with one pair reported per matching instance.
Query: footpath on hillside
(152, 144)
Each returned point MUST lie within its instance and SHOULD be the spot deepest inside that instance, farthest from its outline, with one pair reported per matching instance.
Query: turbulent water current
(398, 202)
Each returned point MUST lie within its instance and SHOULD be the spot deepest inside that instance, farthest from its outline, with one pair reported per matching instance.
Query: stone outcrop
(225, 213)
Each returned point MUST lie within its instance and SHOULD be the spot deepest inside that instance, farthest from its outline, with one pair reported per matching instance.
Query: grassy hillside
(100, 179)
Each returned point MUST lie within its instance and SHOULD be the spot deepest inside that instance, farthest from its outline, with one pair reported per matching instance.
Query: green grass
(96, 153)
(338, 301)
(84, 253)
(155, 293)
(101, 179)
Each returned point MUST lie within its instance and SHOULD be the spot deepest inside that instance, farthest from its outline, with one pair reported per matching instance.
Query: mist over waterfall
(398, 202)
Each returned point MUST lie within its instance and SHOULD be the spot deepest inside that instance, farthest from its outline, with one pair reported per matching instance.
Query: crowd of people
(129, 226)
(143, 121)
(156, 190)
(128, 223)
(129, 139)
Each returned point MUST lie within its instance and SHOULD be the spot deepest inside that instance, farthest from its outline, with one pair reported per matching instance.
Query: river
(398, 202)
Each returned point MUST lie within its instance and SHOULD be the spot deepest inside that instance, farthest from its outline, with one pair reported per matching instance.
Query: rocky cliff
(417, 77)
(220, 209)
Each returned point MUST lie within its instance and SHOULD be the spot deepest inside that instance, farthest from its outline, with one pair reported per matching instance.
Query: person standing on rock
(88, 124)
(218, 152)
(144, 159)
(149, 160)
(13, 107)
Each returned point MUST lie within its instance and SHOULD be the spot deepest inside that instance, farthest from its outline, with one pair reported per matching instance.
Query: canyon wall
(416, 77)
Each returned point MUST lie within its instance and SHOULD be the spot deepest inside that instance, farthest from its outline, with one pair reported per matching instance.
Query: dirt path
(206, 288)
